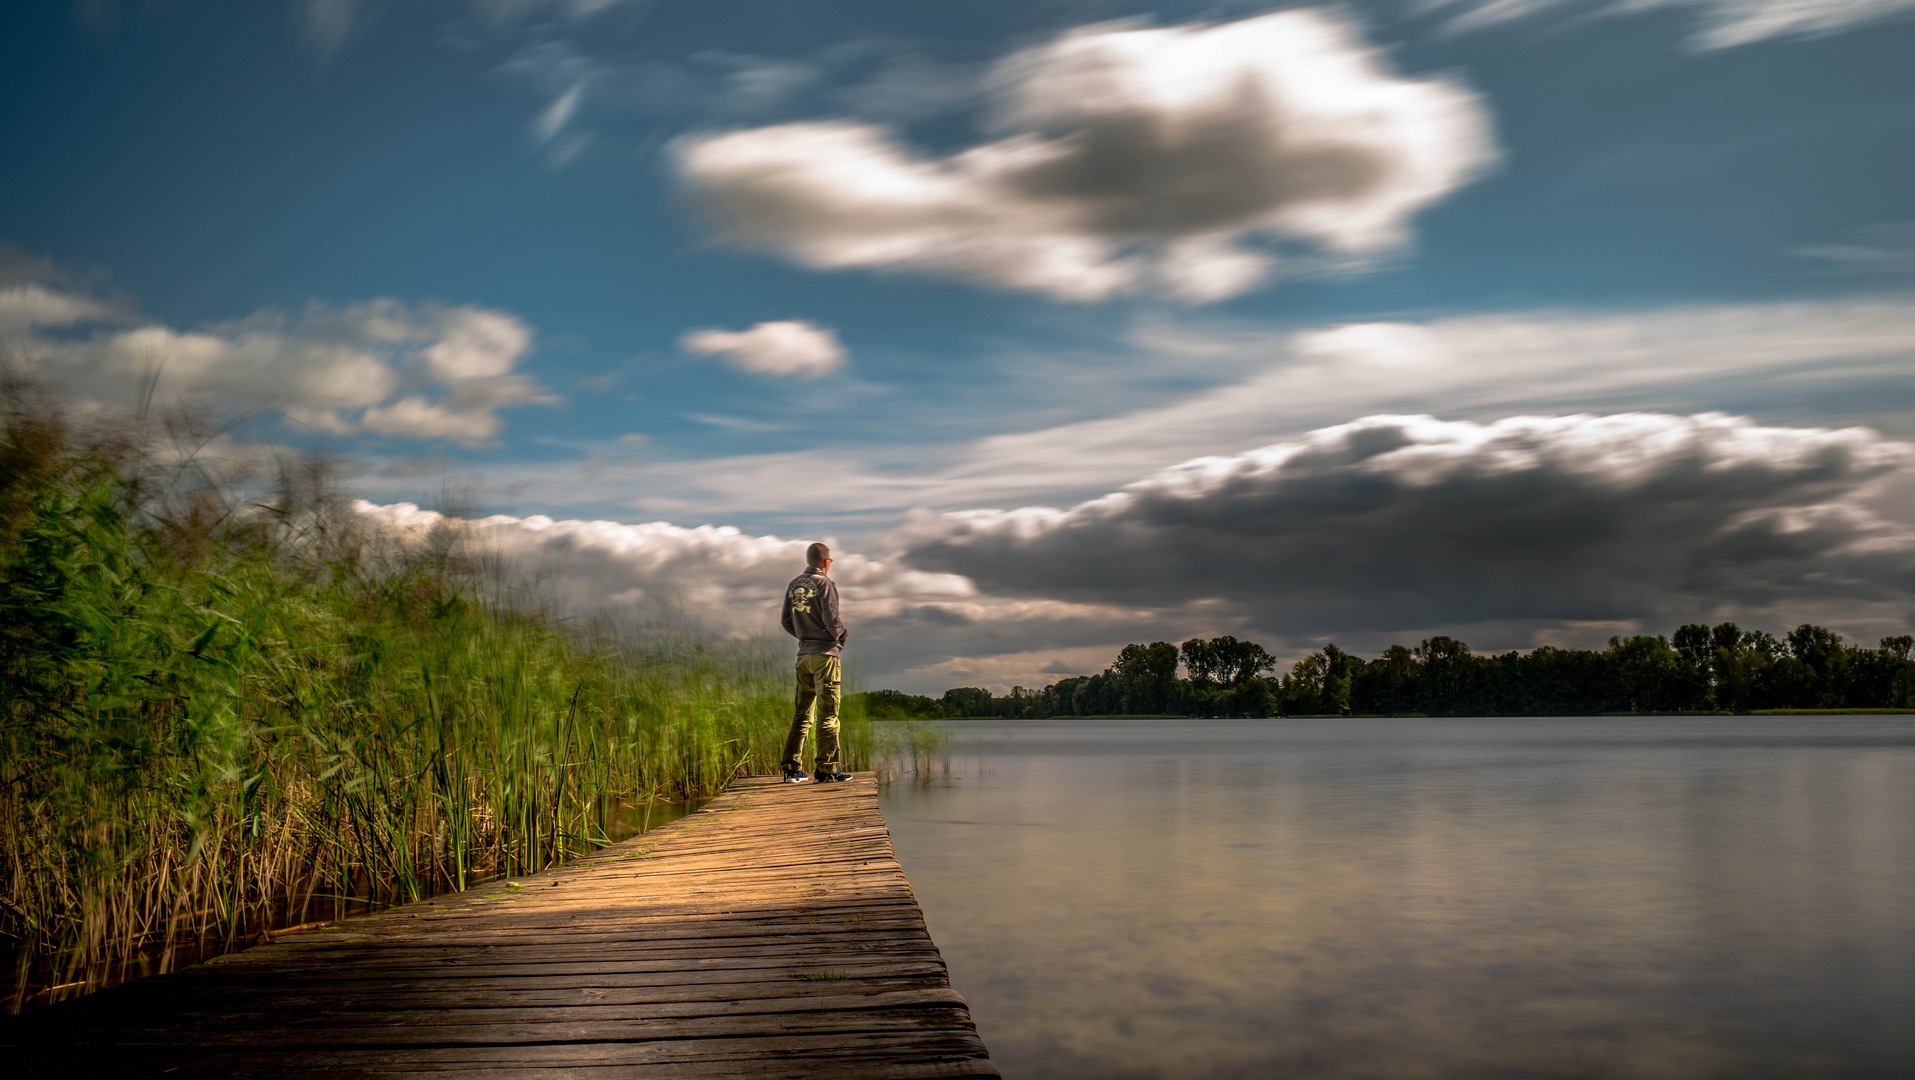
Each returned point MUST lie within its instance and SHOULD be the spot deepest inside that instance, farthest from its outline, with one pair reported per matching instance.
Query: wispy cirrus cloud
(327, 26)
(1887, 248)
(1129, 158)
(1719, 24)
(593, 96)
(507, 14)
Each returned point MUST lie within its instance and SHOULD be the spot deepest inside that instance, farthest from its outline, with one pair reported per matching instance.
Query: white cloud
(789, 347)
(1131, 158)
(412, 371)
(1720, 24)
(25, 308)
(717, 569)
(417, 418)
(474, 343)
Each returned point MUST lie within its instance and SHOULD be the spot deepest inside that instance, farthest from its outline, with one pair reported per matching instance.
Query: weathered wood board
(771, 934)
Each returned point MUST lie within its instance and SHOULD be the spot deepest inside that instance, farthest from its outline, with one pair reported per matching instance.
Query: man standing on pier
(811, 616)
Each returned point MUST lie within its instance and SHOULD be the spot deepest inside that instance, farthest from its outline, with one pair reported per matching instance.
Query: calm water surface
(1716, 897)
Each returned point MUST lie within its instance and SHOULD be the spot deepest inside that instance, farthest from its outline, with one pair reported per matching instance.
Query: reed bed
(227, 706)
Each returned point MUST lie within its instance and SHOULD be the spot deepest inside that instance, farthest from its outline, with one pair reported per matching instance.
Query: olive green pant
(818, 679)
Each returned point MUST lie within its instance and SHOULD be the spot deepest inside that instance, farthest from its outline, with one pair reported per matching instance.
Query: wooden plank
(861, 1056)
(773, 934)
(824, 911)
(506, 995)
(635, 973)
(245, 1019)
(504, 930)
(264, 1035)
(789, 1069)
(242, 1014)
(684, 984)
(835, 937)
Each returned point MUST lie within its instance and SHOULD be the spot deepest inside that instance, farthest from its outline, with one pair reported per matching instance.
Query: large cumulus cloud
(910, 628)
(730, 577)
(1395, 524)
(1129, 158)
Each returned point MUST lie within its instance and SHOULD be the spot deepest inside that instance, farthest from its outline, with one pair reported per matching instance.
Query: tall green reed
(227, 705)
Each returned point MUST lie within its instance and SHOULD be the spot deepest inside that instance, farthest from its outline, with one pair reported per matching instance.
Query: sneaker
(824, 777)
(794, 774)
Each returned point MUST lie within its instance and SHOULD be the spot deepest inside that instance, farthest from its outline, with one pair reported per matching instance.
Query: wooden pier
(771, 934)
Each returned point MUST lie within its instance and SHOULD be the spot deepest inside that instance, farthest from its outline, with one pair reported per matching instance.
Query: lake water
(1400, 899)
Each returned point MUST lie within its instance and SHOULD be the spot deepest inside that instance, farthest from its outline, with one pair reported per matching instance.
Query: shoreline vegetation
(228, 706)
(1699, 670)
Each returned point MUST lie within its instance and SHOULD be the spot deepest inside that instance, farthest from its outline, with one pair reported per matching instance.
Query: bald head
(817, 556)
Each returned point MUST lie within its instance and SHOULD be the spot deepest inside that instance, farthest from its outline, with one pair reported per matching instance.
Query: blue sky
(893, 273)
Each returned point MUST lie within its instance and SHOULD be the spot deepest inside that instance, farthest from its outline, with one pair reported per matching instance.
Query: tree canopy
(1699, 668)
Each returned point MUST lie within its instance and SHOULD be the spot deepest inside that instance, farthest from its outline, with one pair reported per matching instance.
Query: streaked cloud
(551, 124)
(1886, 248)
(507, 14)
(326, 25)
(594, 98)
(785, 347)
(1719, 24)
(1179, 160)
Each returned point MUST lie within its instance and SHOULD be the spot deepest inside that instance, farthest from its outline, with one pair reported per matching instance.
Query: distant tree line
(1698, 669)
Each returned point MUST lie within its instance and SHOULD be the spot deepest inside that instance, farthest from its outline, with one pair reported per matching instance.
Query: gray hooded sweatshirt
(811, 614)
